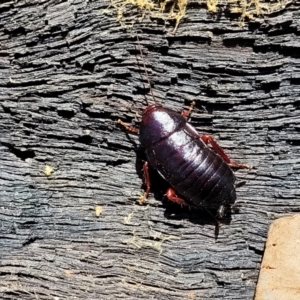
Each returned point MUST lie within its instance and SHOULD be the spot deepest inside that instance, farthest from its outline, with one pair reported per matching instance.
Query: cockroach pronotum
(199, 175)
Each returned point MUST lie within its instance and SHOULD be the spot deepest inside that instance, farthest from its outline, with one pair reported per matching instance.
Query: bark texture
(68, 71)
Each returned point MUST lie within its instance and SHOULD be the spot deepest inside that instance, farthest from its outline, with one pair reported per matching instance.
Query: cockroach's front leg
(146, 176)
(208, 139)
(187, 113)
(131, 129)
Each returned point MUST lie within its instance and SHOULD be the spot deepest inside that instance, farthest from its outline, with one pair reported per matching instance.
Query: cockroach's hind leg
(240, 166)
(171, 195)
(208, 139)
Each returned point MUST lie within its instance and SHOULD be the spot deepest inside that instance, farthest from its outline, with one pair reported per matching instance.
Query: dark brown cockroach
(199, 175)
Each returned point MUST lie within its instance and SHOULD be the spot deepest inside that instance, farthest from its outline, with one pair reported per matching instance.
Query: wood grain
(68, 71)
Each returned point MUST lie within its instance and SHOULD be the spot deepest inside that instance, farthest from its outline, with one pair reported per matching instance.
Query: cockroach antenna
(151, 91)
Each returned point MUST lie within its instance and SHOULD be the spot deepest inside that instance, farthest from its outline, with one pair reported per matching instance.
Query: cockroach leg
(171, 195)
(147, 182)
(187, 113)
(128, 128)
(208, 139)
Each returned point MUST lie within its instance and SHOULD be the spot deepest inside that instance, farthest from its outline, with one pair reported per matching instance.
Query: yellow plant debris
(176, 9)
(162, 9)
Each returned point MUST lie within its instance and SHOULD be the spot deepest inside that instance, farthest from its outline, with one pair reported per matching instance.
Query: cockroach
(199, 175)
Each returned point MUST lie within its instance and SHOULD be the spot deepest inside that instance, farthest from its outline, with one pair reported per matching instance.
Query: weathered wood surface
(68, 71)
